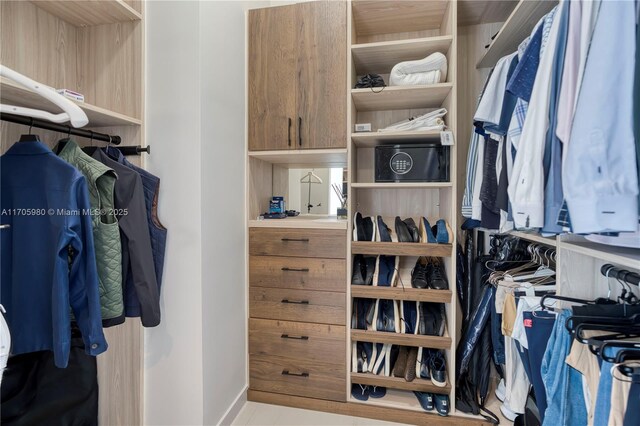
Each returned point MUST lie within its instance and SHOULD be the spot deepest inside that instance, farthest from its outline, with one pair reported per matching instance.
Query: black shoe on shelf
(438, 367)
(422, 365)
(363, 228)
(419, 273)
(387, 316)
(413, 229)
(432, 318)
(404, 236)
(436, 274)
(363, 269)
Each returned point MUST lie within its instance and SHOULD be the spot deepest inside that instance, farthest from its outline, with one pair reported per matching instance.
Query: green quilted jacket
(106, 235)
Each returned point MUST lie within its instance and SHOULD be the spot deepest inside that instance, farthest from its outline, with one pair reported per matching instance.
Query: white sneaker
(501, 391)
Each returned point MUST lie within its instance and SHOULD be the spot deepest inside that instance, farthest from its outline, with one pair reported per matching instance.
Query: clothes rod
(61, 128)
(134, 150)
(611, 271)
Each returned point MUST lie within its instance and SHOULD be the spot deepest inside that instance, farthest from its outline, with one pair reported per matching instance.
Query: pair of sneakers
(376, 315)
(429, 272)
(440, 233)
(375, 270)
(431, 365)
(433, 401)
(425, 318)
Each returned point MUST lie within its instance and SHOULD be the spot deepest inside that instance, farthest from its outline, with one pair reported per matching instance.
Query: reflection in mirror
(311, 191)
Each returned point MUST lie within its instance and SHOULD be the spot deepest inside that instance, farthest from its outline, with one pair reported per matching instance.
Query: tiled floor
(256, 414)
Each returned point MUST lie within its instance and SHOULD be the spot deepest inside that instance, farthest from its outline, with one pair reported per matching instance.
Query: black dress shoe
(387, 316)
(419, 274)
(436, 275)
(404, 236)
(413, 229)
(363, 228)
(363, 269)
(362, 314)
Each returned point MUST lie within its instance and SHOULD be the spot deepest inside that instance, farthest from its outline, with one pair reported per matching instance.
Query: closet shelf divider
(401, 249)
(401, 97)
(373, 139)
(399, 293)
(419, 385)
(83, 13)
(416, 340)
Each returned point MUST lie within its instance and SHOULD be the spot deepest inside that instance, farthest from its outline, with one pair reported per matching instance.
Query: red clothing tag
(528, 323)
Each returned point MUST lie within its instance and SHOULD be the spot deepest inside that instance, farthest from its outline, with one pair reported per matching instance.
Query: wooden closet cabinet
(297, 68)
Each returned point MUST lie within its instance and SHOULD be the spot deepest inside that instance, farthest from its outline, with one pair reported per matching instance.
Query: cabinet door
(272, 78)
(322, 74)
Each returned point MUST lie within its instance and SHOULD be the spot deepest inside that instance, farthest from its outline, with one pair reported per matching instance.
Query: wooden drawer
(328, 243)
(298, 273)
(297, 305)
(297, 377)
(312, 342)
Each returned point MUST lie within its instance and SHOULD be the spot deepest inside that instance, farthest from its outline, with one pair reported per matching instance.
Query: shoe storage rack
(384, 33)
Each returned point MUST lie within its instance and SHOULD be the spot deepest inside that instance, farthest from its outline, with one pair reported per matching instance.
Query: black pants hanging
(36, 392)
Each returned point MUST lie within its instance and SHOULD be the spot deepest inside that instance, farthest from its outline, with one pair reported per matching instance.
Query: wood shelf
(417, 340)
(623, 256)
(375, 17)
(401, 97)
(13, 94)
(516, 28)
(381, 57)
(534, 237)
(373, 139)
(474, 12)
(297, 159)
(401, 185)
(399, 293)
(85, 13)
(419, 385)
(401, 249)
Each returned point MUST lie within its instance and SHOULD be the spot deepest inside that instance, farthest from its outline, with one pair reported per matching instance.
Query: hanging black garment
(36, 392)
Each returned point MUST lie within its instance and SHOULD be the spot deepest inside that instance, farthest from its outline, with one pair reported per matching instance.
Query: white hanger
(72, 112)
(309, 178)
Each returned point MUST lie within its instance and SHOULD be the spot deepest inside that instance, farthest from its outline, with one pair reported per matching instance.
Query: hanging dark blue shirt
(47, 254)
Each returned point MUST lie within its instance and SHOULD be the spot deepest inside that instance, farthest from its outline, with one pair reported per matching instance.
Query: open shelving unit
(383, 34)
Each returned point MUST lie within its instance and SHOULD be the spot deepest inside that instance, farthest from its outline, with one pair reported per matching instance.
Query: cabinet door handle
(295, 269)
(286, 336)
(301, 240)
(295, 302)
(287, 373)
(300, 131)
(289, 134)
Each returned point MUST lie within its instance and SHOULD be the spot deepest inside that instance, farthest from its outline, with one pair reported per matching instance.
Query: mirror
(311, 190)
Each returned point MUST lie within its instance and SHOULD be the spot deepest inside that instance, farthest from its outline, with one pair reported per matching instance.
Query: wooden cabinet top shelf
(14, 94)
(401, 185)
(516, 28)
(419, 385)
(401, 249)
(381, 57)
(401, 97)
(86, 13)
(417, 340)
(399, 293)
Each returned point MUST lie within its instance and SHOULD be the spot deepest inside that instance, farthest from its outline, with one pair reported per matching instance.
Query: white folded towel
(430, 70)
(429, 121)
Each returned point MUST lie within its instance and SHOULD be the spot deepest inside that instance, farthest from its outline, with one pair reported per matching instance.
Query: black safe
(412, 163)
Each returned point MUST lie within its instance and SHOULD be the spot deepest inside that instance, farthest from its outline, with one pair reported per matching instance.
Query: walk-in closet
(372, 212)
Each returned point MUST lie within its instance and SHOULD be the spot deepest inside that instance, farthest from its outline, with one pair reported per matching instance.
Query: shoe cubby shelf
(399, 293)
(401, 97)
(417, 340)
(373, 139)
(401, 249)
(381, 57)
(85, 13)
(13, 94)
(419, 385)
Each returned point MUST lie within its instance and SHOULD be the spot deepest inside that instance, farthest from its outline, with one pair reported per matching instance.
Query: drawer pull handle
(287, 373)
(297, 302)
(295, 269)
(301, 240)
(286, 336)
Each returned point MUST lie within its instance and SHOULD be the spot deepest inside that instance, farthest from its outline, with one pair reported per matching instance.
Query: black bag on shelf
(370, 80)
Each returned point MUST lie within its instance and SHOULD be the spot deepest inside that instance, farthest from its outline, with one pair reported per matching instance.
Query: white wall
(195, 361)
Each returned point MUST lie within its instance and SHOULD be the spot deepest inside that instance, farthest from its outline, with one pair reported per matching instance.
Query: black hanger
(89, 150)
(625, 345)
(564, 299)
(626, 329)
(30, 137)
(596, 343)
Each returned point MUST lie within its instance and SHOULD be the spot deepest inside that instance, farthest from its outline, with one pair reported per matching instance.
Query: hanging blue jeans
(563, 384)
(603, 403)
